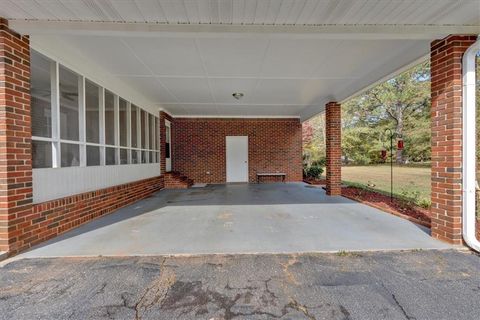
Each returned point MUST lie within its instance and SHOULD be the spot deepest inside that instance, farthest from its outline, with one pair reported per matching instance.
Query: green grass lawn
(410, 182)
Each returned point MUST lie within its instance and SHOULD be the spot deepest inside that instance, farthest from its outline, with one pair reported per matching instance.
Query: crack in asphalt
(102, 288)
(295, 305)
(239, 287)
(397, 303)
(189, 296)
(345, 312)
(286, 269)
(408, 317)
(156, 293)
(273, 296)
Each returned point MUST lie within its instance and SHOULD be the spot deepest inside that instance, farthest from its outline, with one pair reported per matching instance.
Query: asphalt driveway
(395, 285)
(246, 218)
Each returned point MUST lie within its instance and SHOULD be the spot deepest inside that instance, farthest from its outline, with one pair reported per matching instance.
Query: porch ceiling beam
(358, 31)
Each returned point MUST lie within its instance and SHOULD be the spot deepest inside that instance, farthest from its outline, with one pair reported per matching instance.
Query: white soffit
(249, 12)
(279, 77)
(188, 57)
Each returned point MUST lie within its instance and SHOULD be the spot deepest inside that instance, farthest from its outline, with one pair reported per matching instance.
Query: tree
(401, 103)
(313, 134)
(307, 133)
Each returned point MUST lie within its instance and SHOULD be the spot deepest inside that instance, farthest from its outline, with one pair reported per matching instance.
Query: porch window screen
(76, 122)
(92, 112)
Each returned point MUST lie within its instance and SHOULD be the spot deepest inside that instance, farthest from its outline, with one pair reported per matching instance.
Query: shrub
(314, 172)
(362, 160)
(322, 162)
(425, 203)
(415, 198)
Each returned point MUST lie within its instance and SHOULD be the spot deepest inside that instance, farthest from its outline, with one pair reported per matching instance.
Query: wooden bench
(271, 174)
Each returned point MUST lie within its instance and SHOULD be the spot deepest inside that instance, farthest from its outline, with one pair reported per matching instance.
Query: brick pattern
(52, 218)
(200, 147)
(175, 180)
(15, 136)
(446, 123)
(333, 118)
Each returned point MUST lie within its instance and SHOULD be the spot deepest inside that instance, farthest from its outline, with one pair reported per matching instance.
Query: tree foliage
(314, 139)
(401, 104)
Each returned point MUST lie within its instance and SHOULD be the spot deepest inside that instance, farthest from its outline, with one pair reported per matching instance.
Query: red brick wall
(446, 92)
(333, 121)
(15, 136)
(52, 218)
(274, 145)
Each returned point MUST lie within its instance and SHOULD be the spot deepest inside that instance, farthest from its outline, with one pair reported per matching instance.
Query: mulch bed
(380, 201)
(317, 182)
(396, 207)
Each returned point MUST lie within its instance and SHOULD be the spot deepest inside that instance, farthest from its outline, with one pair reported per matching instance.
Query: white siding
(54, 183)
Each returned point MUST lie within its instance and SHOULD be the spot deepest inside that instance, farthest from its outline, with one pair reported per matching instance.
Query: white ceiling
(195, 74)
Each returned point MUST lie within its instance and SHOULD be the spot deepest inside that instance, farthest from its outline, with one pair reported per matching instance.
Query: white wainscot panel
(49, 184)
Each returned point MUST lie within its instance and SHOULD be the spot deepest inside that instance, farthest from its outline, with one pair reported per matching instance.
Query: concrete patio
(239, 218)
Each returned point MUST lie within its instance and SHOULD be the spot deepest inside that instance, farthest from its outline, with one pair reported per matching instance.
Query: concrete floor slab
(223, 219)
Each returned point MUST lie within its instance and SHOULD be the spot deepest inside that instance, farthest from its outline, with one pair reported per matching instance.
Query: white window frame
(56, 141)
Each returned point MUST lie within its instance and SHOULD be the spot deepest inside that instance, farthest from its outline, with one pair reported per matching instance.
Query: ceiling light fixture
(238, 95)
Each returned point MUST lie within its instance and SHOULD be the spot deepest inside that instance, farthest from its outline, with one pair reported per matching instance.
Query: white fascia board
(327, 31)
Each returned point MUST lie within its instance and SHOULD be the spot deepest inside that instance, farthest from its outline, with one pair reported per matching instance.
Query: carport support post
(446, 117)
(15, 139)
(333, 117)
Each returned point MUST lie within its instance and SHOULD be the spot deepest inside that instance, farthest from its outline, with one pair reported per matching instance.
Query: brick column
(446, 93)
(333, 117)
(15, 139)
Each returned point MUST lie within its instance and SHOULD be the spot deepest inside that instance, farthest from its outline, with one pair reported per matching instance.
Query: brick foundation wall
(15, 135)
(200, 147)
(333, 121)
(446, 123)
(52, 218)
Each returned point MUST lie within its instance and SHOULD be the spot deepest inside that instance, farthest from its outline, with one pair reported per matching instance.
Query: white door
(168, 146)
(237, 158)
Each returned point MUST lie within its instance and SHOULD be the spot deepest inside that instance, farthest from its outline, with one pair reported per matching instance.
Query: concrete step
(175, 180)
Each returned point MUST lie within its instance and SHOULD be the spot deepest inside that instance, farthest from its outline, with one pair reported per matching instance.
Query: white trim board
(326, 31)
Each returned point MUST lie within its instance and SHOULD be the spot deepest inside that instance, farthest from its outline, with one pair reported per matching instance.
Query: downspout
(469, 148)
